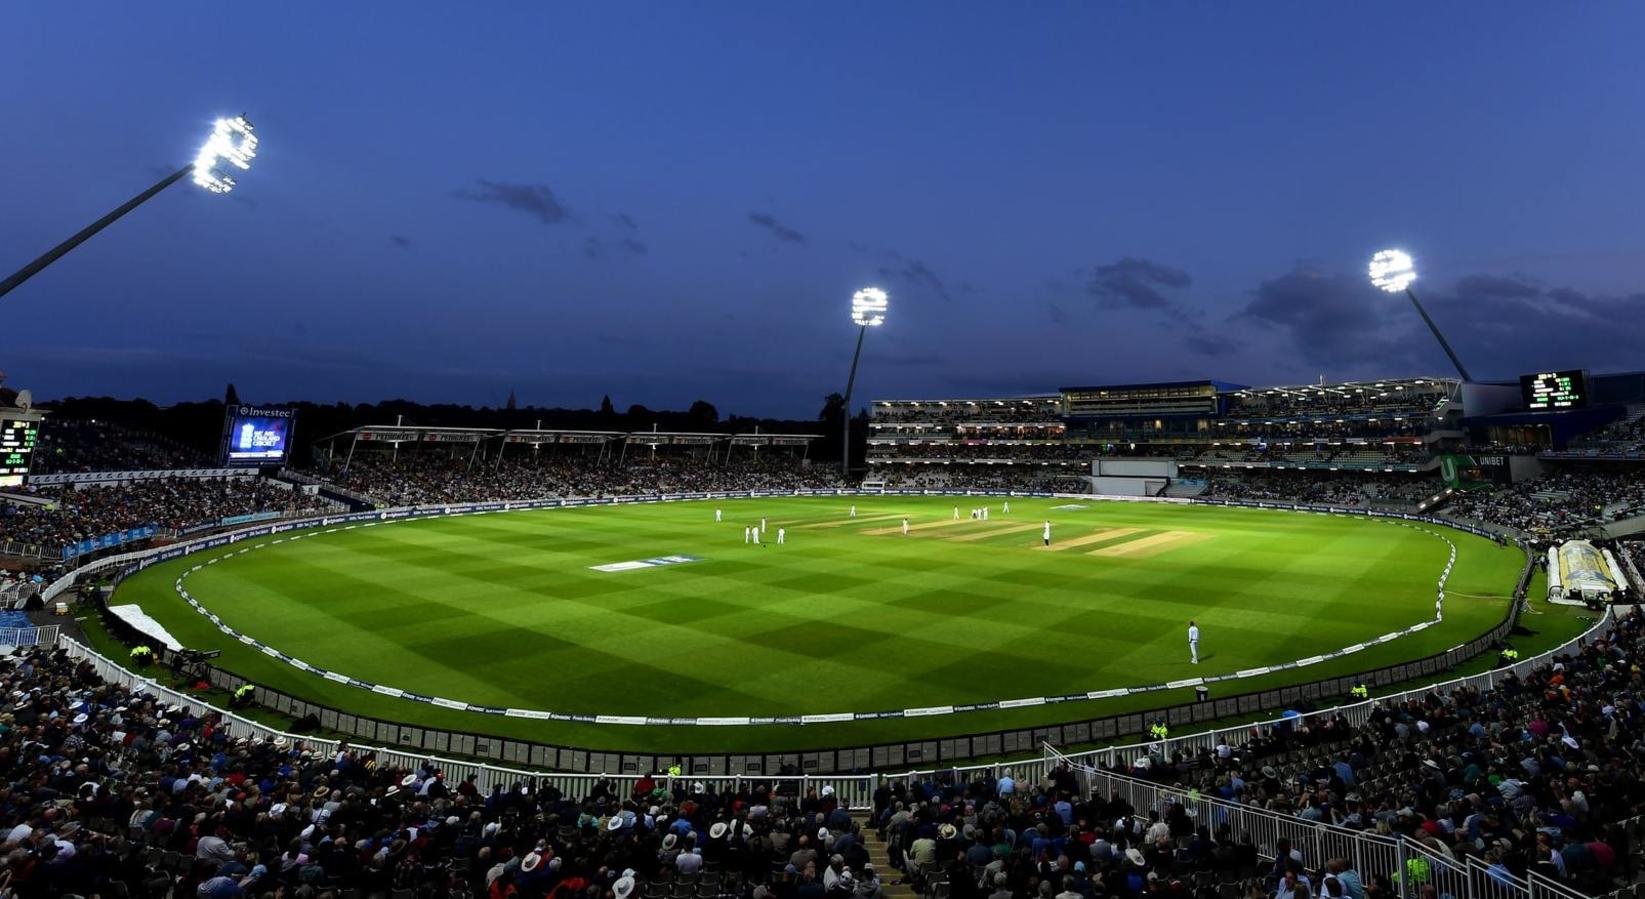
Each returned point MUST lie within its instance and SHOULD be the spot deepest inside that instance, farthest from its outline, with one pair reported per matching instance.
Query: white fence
(853, 791)
(15, 596)
(1356, 714)
(28, 636)
(1369, 853)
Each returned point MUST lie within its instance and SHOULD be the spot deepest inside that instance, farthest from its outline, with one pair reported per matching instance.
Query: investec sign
(254, 412)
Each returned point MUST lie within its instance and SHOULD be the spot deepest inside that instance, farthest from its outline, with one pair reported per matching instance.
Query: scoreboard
(17, 439)
(1554, 390)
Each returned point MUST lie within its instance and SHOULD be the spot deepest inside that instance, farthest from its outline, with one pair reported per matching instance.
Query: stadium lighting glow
(868, 307)
(232, 145)
(232, 141)
(1392, 270)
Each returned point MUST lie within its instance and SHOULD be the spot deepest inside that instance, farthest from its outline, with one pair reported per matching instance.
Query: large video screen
(17, 439)
(254, 436)
(1554, 390)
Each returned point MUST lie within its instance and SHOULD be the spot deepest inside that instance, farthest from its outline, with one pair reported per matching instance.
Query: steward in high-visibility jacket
(1359, 692)
(242, 696)
(141, 655)
(1158, 731)
(1508, 655)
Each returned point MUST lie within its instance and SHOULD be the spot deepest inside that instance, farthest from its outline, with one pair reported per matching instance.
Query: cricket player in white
(984, 513)
(1193, 641)
(756, 536)
(956, 513)
(762, 524)
(782, 536)
(716, 516)
(746, 532)
(853, 511)
(1007, 507)
(905, 527)
(1048, 533)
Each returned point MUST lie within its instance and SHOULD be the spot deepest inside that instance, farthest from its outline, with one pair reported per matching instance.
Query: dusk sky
(674, 201)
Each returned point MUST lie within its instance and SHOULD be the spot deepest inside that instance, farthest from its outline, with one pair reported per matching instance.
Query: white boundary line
(719, 721)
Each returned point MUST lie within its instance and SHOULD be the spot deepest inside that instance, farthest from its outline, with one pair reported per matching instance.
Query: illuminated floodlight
(232, 142)
(1392, 270)
(868, 307)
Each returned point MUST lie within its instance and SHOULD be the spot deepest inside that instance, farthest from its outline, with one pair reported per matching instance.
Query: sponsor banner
(109, 541)
(248, 519)
(111, 477)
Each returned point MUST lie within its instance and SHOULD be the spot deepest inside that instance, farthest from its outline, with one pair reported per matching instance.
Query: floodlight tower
(232, 143)
(867, 311)
(1393, 271)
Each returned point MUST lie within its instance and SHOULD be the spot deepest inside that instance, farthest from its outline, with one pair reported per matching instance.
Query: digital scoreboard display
(17, 439)
(1554, 390)
(253, 436)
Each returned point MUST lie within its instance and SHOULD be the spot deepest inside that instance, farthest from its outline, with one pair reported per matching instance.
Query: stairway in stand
(881, 858)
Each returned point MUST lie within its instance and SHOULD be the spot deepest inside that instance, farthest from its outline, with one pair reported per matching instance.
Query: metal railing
(28, 636)
(853, 791)
(1368, 852)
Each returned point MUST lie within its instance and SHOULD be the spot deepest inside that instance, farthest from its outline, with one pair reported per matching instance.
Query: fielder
(762, 524)
(756, 536)
(956, 513)
(905, 527)
(716, 516)
(782, 536)
(1193, 642)
(1007, 508)
(1048, 533)
(853, 511)
(746, 532)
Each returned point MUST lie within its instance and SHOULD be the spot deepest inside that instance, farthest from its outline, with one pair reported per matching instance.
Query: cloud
(624, 221)
(533, 199)
(910, 272)
(778, 230)
(596, 247)
(400, 241)
(1211, 347)
(1327, 318)
(1133, 283)
(1507, 326)
(915, 273)
(1496, 286)
(1057, 313)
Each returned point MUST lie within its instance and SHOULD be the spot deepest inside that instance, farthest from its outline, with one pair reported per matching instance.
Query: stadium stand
(82, 512)
(111, 792)
(1560, 504)
(1537, 775)
(423, 481)
(79, 446)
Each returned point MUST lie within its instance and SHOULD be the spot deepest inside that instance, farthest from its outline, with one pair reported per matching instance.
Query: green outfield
(850, 615)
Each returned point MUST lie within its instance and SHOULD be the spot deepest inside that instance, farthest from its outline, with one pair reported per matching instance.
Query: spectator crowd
(80, 512)
(427, 480)
(111, 792)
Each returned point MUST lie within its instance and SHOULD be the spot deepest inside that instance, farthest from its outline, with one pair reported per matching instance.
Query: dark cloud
(915, 273)
(624, 221)
(596, 248)
(1496, 286)
(778, 230)
(400, 241)
(1328, 319)
(1057, 313)
(533, 199)
(1507, 326)
(1136, 284)
(1210, 347)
